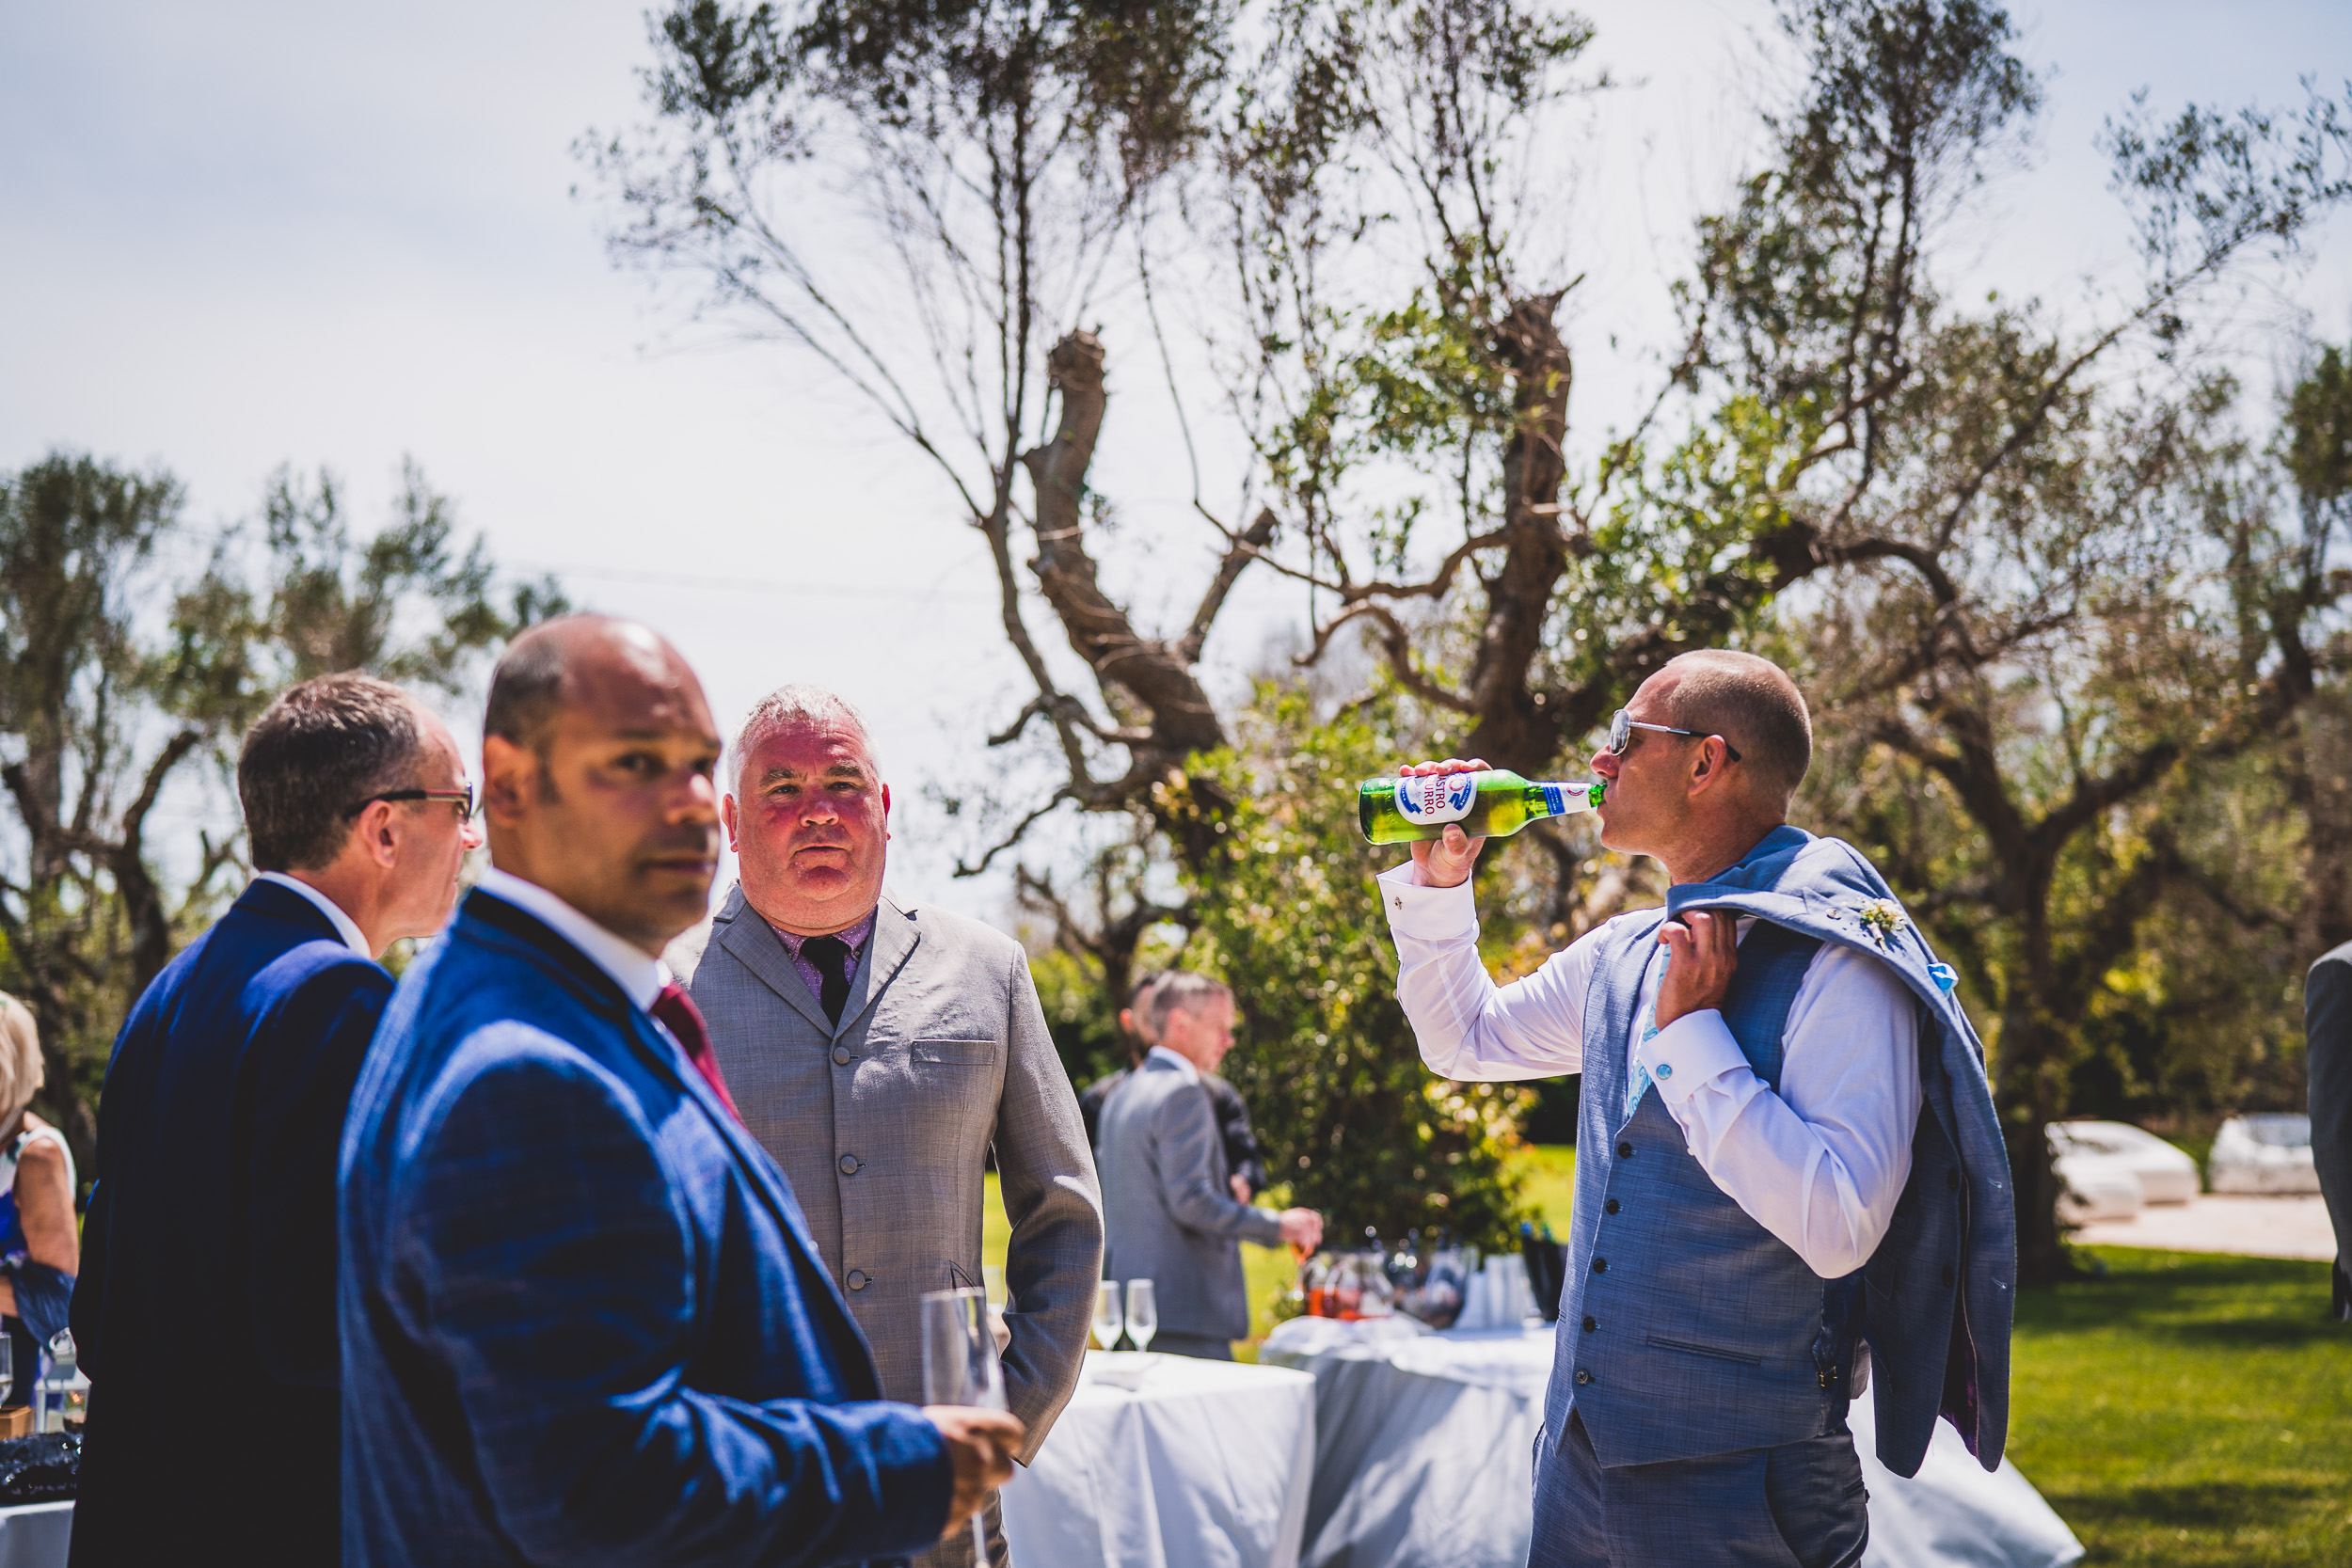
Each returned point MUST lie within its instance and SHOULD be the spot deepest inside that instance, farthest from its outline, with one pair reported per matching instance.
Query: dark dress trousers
(205, 1310)
(2328, 1041)
(583, 1318)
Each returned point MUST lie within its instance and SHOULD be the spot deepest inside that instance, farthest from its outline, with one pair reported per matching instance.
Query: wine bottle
(1495, 803)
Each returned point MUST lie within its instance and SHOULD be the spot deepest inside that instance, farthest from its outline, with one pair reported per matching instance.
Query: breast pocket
(953, 1053)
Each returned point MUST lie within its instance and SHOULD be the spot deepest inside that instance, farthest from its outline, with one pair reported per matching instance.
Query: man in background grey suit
(1164, 1181)
(878, 1051)
(2327, 1041)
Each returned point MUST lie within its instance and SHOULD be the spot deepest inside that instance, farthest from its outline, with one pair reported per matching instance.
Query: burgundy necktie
(676, 1008)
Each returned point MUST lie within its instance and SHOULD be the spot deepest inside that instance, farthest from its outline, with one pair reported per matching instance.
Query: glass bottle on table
(1106, 1314)
(1143, 1314)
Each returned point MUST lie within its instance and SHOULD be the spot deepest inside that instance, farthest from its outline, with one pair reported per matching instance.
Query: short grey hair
(1182, 989)
(800, 704)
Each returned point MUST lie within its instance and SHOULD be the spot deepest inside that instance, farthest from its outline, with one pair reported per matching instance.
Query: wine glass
(1143, 1314)
(1107, 1317)
(960, 1366)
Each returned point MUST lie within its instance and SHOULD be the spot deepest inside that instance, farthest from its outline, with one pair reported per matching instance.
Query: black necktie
(830, 956)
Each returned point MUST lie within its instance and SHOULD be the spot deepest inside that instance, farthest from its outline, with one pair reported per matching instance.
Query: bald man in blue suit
(582, 1318)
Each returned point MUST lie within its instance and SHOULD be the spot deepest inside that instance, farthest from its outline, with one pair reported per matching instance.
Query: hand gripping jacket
(1686, 1328)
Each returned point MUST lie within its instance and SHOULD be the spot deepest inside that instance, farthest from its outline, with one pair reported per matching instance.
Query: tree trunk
(1513, 730)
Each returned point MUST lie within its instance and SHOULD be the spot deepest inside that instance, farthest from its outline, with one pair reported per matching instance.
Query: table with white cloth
(36, 1535)
(1168, 1462)
(1425, 1455)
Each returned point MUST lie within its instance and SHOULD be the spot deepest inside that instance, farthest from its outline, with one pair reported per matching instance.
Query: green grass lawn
(2189, 1409)
(2184, 1409)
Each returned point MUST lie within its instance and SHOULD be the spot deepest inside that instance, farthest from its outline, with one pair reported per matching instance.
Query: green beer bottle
(1491, 804)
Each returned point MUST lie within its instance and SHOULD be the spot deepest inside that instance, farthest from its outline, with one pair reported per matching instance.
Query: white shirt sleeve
(1820, 1164)
(1471, 1029)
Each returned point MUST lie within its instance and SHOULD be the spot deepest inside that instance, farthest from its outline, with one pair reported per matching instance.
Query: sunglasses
(1623, 724)
(461, 799)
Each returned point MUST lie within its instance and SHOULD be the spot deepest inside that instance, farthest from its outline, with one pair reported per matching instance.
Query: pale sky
(240, 234)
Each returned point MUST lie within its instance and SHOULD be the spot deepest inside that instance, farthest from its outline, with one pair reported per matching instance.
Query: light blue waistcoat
(1687, 1329)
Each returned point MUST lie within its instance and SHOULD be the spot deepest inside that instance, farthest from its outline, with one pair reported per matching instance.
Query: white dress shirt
(345, 927)
(638, 973)
(1161, 1053)
(1819, 1164)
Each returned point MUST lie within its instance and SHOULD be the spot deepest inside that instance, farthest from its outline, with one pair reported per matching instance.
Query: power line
(752, 585)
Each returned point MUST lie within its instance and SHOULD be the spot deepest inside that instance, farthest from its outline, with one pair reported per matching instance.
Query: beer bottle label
(1437, 799)
(1555, 799)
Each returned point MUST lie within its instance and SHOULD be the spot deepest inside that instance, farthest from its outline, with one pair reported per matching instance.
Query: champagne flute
(1107, 1315)
(960, 1367)
(1143, 1314)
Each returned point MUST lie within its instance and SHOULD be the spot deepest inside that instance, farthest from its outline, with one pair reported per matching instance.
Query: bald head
(1752, 702)
(597, 753)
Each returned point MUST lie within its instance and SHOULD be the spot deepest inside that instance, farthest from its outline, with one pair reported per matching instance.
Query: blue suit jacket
(206, 1301)
(582, 1321)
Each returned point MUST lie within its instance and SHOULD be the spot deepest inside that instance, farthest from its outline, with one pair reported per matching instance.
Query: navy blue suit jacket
(205, 1310)
(583, 1320)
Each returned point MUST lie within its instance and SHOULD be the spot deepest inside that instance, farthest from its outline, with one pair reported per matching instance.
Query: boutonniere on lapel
(1882, 919)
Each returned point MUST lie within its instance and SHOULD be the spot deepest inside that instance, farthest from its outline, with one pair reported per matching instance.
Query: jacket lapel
(741, 932)
(894, 941)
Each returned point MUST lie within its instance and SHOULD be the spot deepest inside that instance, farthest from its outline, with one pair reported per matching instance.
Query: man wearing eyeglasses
(204, 1314)
(1763, 1213)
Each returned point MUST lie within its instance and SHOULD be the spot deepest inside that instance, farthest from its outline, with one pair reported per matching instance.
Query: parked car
(2268, 1153)
(2166, 1174)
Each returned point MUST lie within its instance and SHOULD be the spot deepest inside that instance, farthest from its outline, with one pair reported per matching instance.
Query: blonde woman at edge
(40, 1246)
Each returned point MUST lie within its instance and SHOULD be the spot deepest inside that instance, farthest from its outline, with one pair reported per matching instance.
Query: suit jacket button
(1590, 1326)
(1948, 1276)
(1582, 1376)
(1610, 1206)
(857, 1279)
(849, 1165)
(1601, 1265)
(1951, 1179)
(1624, 1151)
(841, 1055)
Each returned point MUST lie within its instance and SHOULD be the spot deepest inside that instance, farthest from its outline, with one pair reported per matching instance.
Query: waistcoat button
(1624, 1151)
(857, 1279)
(1590, 1326)
(1601, 1265)
(849, 1165)
(841, 1055)
(1584, 1376)
(1610, 1206)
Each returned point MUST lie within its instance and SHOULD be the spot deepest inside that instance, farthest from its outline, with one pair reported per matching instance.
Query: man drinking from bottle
(1763, 1212)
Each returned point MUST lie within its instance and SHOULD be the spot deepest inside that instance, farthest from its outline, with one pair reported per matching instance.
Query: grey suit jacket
(883, 1121)
(1171, 1214)
(2327, 1043)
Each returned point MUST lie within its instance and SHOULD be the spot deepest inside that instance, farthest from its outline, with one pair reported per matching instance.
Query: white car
(2270, 1153)
(2166, 1174)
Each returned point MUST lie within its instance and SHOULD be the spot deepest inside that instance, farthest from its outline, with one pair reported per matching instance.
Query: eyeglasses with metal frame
(1622, 724)
(461, 799)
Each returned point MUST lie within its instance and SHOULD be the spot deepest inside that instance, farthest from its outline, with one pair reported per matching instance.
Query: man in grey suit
(878, 1051)
(1172, 1218)
(2327, 1041)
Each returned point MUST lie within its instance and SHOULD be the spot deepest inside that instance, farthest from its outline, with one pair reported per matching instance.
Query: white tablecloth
(1199, 1464)
(1426, 1456)
(36, 1535)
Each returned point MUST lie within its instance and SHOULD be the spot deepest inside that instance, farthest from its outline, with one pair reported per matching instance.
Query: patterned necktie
(676, 1011)
(830, 956)
(1637, 1080)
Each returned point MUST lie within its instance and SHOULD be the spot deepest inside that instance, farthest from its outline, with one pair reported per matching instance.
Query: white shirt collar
(639, 976)
(345, 927)
(1162, 1053)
